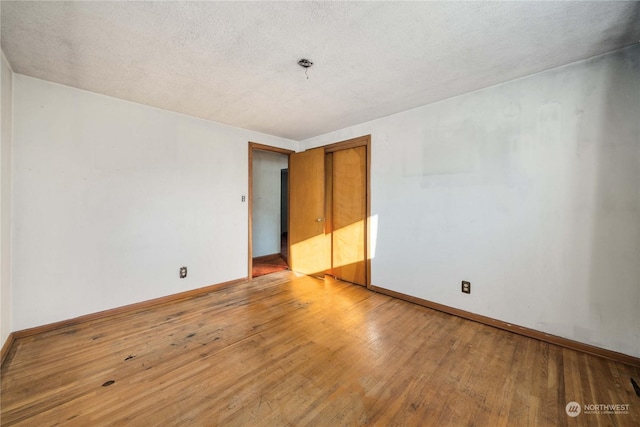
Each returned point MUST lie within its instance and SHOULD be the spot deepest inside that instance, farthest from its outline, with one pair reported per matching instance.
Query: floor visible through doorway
(268, 264)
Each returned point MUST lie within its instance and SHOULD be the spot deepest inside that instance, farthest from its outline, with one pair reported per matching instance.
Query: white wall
(112, 197)
(6, 75)
(266, 201)
(529, 189)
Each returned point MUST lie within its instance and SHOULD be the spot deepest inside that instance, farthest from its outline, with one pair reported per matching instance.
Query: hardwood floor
(287, 350)
(267, 265)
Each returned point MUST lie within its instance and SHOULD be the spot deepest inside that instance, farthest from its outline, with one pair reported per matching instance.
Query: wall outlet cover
(466, 287)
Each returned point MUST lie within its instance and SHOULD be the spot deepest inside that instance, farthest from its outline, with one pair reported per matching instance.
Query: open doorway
(268, 209)
(284, 213)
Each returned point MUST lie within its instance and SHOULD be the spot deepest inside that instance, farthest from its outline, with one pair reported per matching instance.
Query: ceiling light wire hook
(305, 63)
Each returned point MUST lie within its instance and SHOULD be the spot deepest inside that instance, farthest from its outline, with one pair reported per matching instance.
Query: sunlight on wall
(373, 235)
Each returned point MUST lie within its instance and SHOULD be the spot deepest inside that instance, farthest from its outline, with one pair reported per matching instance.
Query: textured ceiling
(236, 62)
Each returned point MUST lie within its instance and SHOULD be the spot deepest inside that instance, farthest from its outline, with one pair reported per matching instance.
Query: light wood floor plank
(288, 350)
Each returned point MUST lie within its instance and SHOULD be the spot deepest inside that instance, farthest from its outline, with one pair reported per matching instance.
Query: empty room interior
(320, 213)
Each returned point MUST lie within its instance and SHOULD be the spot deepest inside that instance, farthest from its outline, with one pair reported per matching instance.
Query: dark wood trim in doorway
(261, 147)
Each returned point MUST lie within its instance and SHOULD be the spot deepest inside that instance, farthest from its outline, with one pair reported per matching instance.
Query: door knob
(319, 219)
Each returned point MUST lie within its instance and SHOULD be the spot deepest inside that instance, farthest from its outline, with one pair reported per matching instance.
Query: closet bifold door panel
(347, 216)
(310, 246)
(328, 211)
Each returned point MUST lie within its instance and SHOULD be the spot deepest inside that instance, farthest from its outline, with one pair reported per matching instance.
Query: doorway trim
(261, 147)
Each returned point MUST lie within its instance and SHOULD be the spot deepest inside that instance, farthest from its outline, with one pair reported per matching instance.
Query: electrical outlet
(466, 287)
(183, 272)
(243, 198)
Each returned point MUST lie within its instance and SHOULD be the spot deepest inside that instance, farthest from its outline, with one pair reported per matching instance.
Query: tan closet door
(309, 245)
(349, 214)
